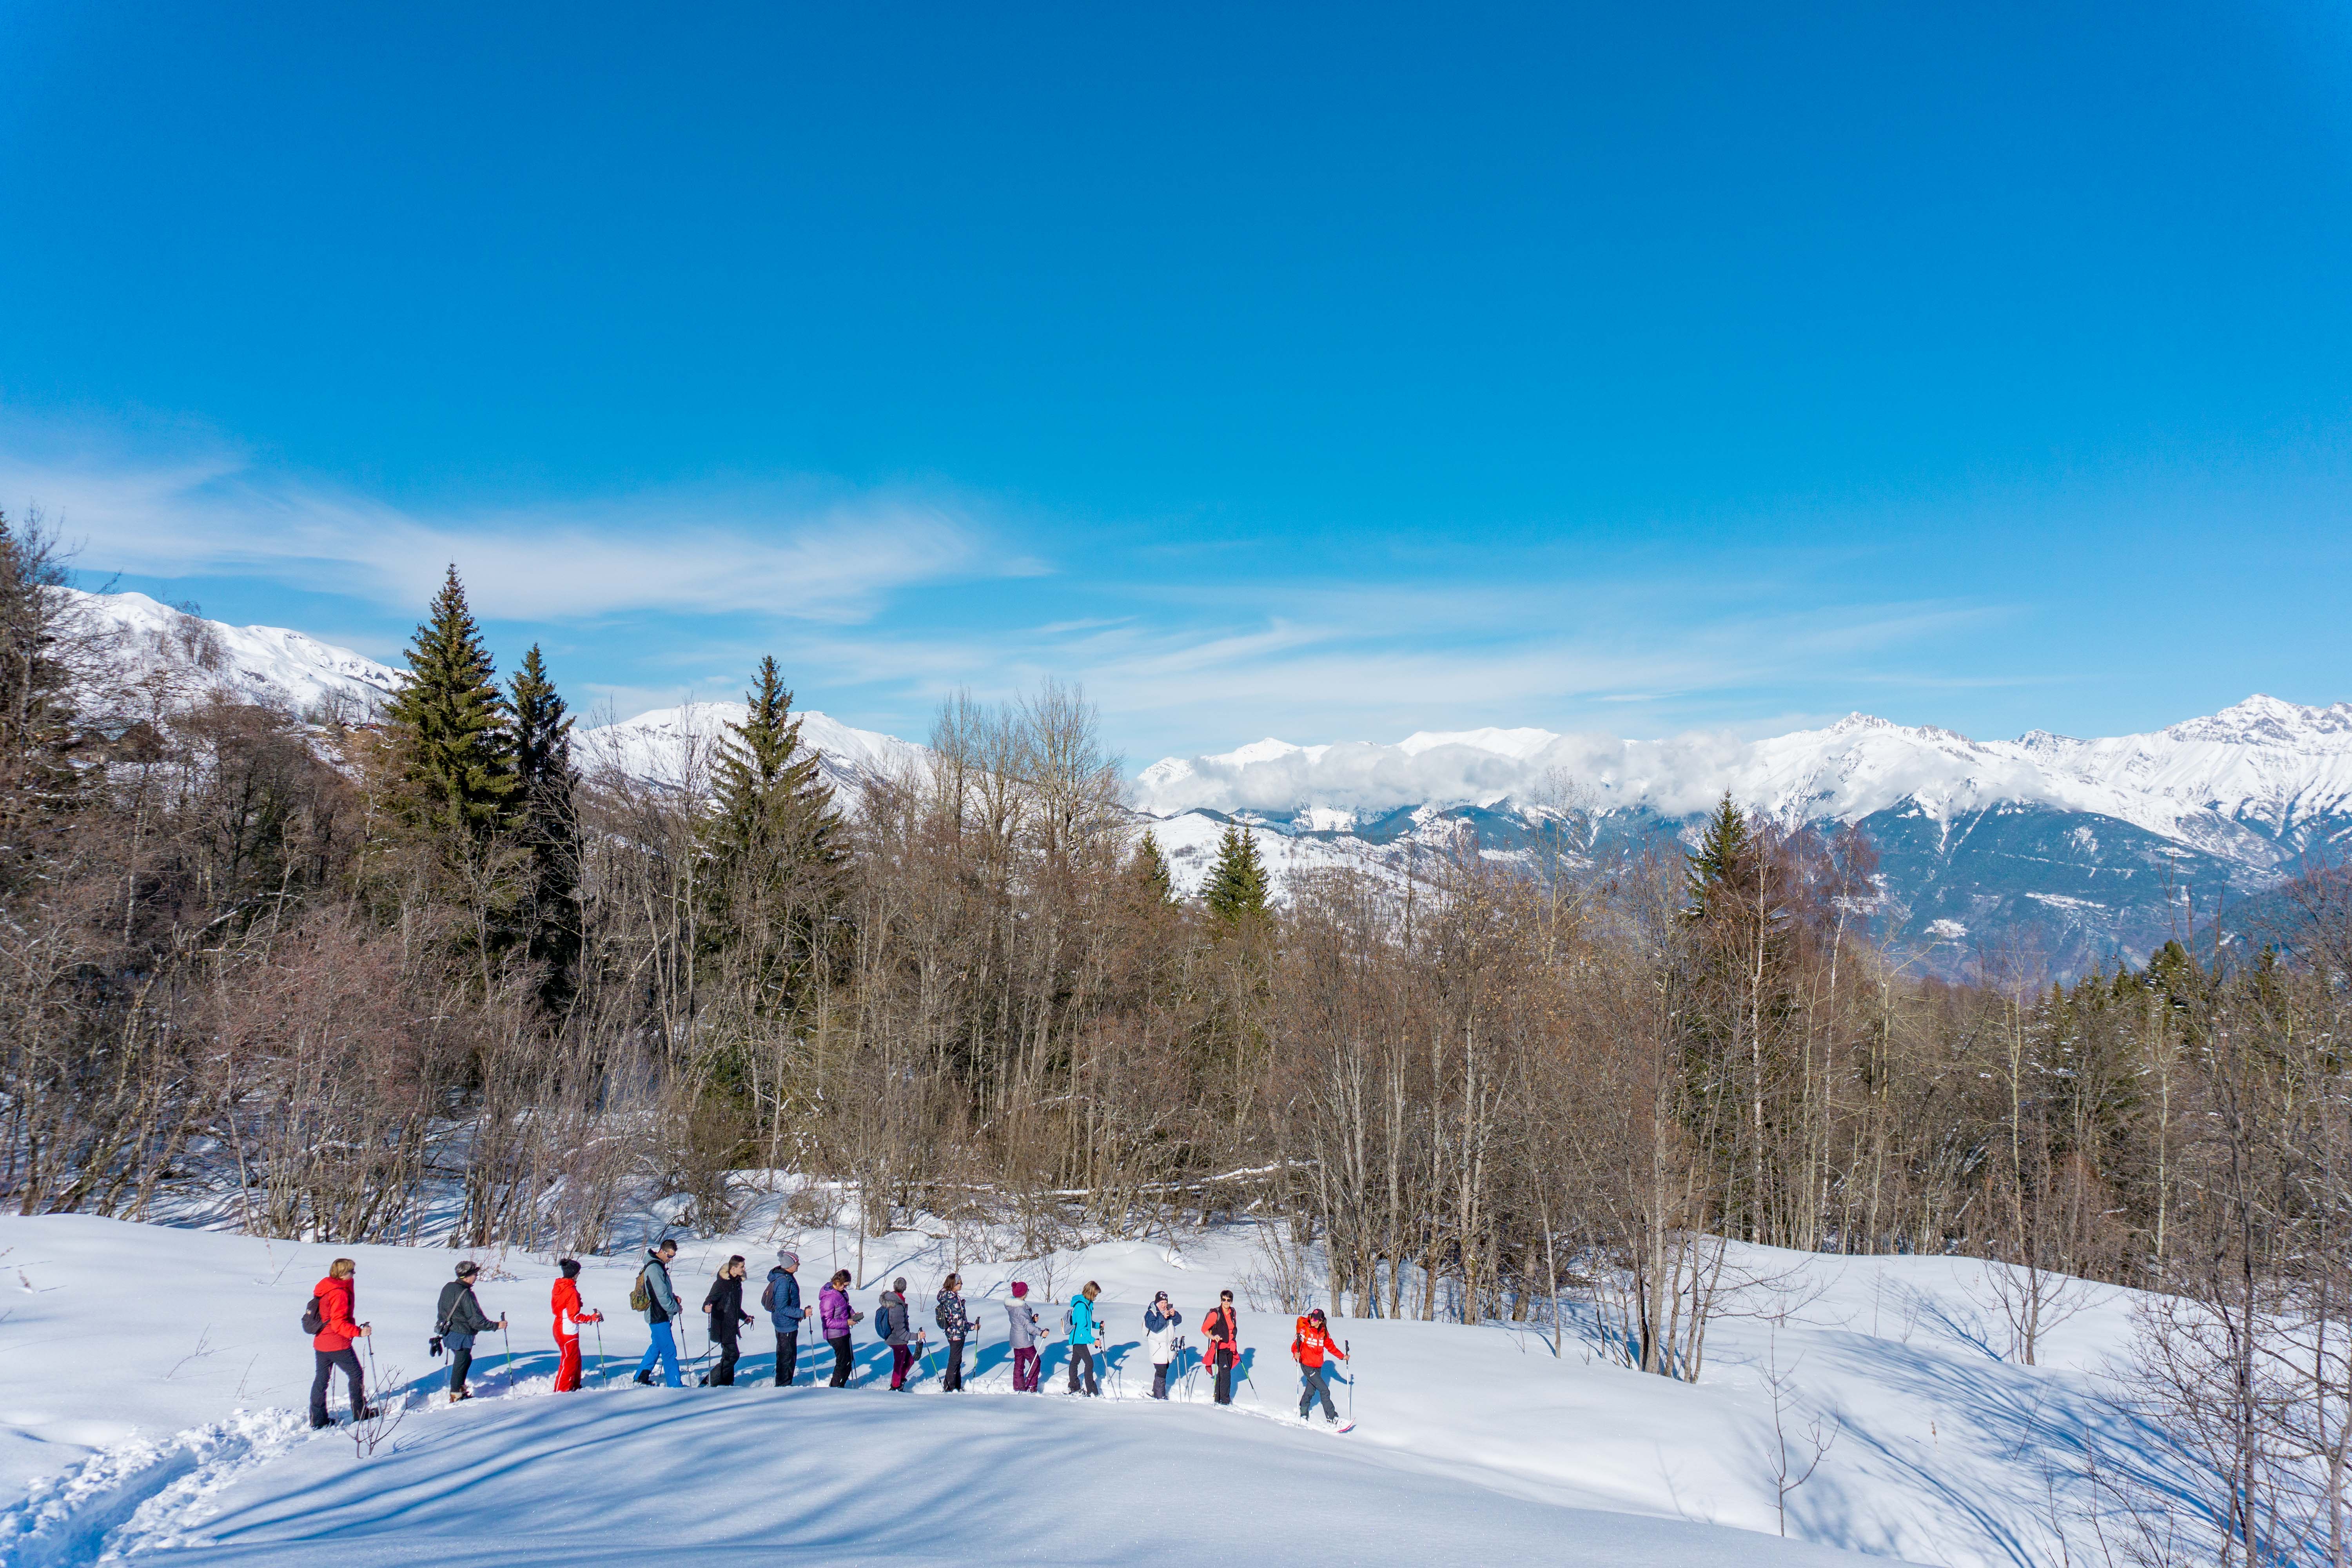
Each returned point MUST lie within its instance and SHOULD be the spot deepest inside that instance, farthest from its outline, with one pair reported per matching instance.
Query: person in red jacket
(1222, 1331)
(1309, 1347)
(332, 1342)
(568, 1319)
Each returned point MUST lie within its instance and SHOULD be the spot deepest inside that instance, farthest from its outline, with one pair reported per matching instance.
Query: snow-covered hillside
(153, 1405)
(268, 665)
(669, 745)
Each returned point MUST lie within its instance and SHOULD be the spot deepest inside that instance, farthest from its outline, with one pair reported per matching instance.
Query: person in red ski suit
(1309, 1347)
(565, 1302)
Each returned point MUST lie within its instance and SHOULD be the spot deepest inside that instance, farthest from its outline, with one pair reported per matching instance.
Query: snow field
(153, 1403)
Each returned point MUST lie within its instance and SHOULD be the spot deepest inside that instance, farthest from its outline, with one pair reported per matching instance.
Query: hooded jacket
(892, 1323)
(1160, 1333)
(724, 1303)
(1312, 1343)
(833, 1311)
(336, 1299)
(564, 1300)
(663, 1300)
(784, 1290)
(1080, 1319)
(1022, 1330)
(950, 1316)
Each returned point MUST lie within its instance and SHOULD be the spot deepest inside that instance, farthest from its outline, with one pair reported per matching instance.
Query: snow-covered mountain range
(2083, 850)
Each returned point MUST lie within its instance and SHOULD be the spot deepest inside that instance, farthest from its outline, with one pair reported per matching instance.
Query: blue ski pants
(664, 1349)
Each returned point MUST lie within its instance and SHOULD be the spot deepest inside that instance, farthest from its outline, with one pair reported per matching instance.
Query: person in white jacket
(1161, 1322)
(1025, 1334)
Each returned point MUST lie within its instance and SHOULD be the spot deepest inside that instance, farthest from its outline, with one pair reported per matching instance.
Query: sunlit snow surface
(150, 1401)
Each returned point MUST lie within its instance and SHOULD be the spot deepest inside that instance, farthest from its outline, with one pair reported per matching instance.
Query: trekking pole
(510, 1344)
(376, 1379)
(1348, 1354)
(600, 1352)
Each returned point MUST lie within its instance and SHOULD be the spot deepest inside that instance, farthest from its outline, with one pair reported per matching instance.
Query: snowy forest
(437, 978)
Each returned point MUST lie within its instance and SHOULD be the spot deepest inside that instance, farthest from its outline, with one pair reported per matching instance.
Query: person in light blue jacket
(782, 1300)
(1084, 1331)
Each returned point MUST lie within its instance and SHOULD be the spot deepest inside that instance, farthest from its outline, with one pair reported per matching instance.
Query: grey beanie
(788, 1257)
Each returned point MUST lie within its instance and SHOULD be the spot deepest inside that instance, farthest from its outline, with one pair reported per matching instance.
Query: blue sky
(1324, 372)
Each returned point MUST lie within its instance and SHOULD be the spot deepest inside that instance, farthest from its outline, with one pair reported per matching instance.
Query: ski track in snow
(143, 1495)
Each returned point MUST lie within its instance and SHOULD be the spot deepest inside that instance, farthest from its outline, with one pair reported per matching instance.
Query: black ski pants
(1158, 1380)
(723, 1374)
(840, 1362)
(1084, 1356)
(1316, 1388)
(1224, 1377)
(354, 1379)
(788, 1359)
(952, 1382)
(461, 1361)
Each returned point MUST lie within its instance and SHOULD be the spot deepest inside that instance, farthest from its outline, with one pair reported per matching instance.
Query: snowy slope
(268, 665)
(149, 1408)
(668, 745)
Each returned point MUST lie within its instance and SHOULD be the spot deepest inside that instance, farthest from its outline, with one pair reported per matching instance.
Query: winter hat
(570, 1267)
(1019, 1287)
(787, 1257)
(467, 1269)
(900, 1285)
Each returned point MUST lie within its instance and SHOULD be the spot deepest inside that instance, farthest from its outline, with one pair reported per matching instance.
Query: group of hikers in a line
(459, 1318)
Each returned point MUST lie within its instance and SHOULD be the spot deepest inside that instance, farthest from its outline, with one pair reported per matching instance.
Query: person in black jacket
(458, 1318)
(725, 1305)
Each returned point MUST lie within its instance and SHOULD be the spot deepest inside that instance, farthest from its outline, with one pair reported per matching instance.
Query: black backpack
(314, 1323)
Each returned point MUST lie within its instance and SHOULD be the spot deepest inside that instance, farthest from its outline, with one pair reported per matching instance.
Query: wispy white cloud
(761, 549)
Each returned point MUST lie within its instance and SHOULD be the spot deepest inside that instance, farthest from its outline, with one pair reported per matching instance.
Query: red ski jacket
(565, 1303)
(335, 1307)
(1312, 1343)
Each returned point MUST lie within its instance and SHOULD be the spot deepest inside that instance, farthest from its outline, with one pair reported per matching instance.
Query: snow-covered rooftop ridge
(2262, 759)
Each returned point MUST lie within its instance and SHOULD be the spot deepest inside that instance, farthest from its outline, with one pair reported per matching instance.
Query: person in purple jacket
(837, 1320)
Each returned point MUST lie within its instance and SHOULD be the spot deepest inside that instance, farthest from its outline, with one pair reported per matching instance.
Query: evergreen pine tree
(1148, 867)
(546, 785)
(772, 840)
(455, 752)
(1723, 852)
(1236, 886)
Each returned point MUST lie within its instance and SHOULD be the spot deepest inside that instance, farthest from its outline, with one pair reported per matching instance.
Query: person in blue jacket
(1084, 1331)
(782, 1300)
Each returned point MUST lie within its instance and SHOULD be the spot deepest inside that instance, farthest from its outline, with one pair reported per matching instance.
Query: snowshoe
(1343, 1427)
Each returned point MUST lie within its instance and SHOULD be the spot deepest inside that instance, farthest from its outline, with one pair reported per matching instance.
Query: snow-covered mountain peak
(1521, 744)
(263, 665)
(675, 746)
(2267, 720)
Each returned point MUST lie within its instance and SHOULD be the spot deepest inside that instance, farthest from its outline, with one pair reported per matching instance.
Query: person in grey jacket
(784, 1304)
(456, 1320)
(1023, 1332)
(661, 1311)
(891, 1324)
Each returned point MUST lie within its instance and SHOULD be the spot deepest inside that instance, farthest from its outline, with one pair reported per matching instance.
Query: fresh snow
(266, 665)
(153, 1405)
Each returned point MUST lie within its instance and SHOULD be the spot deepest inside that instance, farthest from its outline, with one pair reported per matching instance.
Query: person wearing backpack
(564, 1302)
(1161, 1322)
(1023, 1332)
(1221, 1330)
(654, 1298)
(328, 1320)
(1310, 1347)
(781, 1301)
(834, 1318)
(456, 1320)
(957, 1325)
(723, 1304)
(1079, 1322)
(892, 1325)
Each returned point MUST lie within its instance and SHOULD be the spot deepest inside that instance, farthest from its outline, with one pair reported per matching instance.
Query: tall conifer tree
(772, 841)
(1148, 867)
(457, 752)
(546, 783)
(1724, 848)
(1236, 886)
